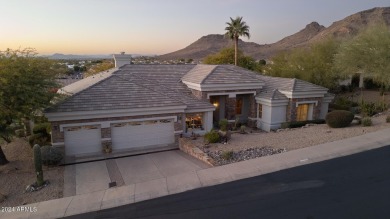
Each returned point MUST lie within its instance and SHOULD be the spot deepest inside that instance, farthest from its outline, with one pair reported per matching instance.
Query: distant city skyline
(156, 27)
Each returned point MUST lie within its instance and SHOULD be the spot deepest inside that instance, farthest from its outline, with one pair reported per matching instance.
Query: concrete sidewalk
(172, 184)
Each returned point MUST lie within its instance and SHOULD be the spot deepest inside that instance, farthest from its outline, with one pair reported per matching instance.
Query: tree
(368, 53)
(26, 87)
(227, 56)
(314, 64)
(76, 68)
(234, 30)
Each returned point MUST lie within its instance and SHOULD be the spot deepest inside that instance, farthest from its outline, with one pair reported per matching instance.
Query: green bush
(366, 121)
(339, 118)
(297, 124)
(223, 124)
(51, 155)
(227, 155)
(211, 136)
(388, 119)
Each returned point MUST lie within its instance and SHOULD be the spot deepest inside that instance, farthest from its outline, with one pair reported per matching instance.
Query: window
(302, 112)
(239, 105)
(194, 121)
(260, 109)
(150, 122)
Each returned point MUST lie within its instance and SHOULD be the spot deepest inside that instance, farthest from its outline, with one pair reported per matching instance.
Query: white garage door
(82, 140)
(139, 134)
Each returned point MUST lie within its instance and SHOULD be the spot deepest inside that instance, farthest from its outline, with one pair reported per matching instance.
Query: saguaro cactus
(38, 164)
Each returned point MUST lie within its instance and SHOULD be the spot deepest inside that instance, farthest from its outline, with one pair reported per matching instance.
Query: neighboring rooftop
(85, 82)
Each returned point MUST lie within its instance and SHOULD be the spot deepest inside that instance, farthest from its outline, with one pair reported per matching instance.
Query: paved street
(355, 186)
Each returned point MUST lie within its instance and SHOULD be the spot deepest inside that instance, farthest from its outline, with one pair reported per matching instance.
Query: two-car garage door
(85, 140)
(139, 134)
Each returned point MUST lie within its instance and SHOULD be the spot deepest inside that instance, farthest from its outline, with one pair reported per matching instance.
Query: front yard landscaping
(19, 173)
(257, 144)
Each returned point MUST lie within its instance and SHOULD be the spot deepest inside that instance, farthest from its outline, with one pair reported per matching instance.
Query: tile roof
(272, 95)
(145, 86)
(111, 94)
(164, 79)
(220, 74)
(288, 84)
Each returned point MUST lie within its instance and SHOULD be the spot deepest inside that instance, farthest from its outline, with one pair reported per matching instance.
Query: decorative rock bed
(223, 158)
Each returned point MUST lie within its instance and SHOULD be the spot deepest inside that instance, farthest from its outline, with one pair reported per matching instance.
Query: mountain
(313, 32)
(209, 44)
(353, 24)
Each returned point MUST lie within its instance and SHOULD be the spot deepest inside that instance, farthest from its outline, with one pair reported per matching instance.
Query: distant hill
(85, 57)
(313, 32)
(78, 57)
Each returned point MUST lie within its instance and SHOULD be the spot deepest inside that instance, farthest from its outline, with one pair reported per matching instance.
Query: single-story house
(149, 106)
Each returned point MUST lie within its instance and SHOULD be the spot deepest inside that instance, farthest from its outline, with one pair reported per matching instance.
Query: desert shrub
(369, 83)
(388, 119)
(381, 106)
(223, 124)
(339, 118)
(51, 155)
(20, 133)
(43, 128)
(297, 124)
(342, 103)
(358, 120)
(242, 129)
(211, 136)
(227, 155)
(37, 139)
(368, 109)
(366, 121)
(338, 107)
(41, 134)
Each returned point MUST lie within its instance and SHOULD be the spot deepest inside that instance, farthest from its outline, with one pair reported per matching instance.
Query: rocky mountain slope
(313, 32)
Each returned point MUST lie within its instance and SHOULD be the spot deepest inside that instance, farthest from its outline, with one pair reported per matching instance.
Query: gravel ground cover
(19, 173)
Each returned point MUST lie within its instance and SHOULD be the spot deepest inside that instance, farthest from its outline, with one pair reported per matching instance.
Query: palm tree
(234, 30)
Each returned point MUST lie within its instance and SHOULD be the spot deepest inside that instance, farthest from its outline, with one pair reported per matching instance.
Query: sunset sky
(156, 26)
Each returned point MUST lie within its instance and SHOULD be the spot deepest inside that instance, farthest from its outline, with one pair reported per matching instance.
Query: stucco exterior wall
(272, 117)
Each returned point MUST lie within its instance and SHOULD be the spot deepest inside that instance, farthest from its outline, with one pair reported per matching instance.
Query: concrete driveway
(96, 176)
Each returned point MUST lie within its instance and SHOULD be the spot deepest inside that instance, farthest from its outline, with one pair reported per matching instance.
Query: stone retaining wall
(186, 145)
